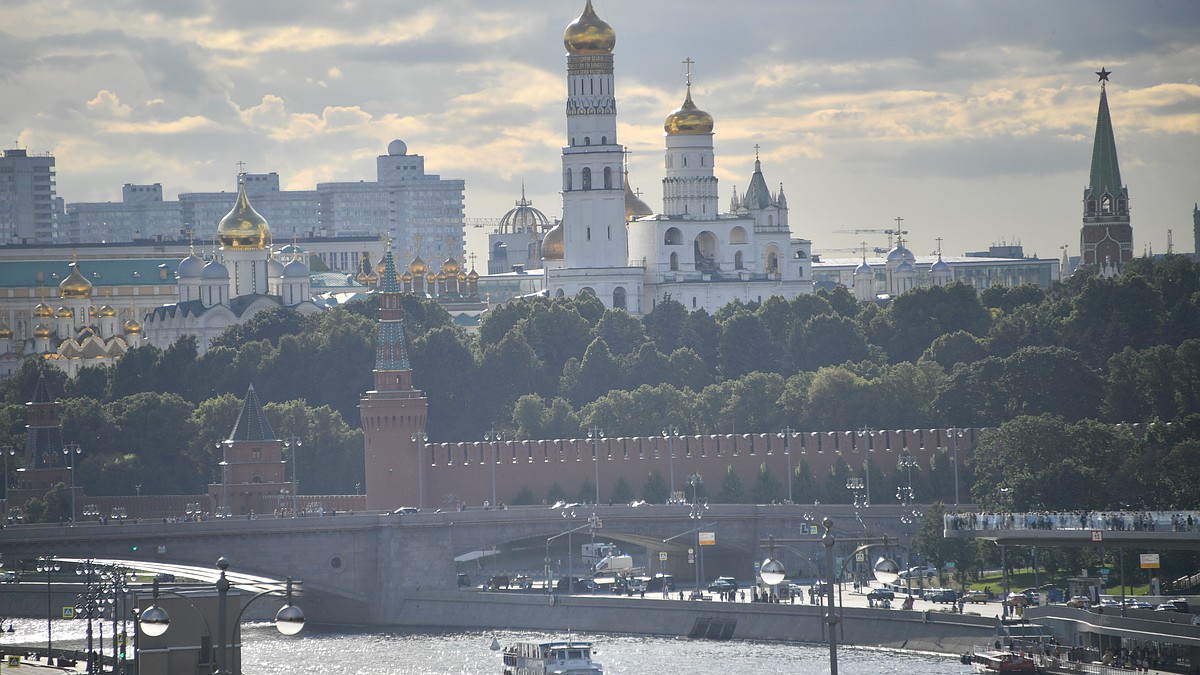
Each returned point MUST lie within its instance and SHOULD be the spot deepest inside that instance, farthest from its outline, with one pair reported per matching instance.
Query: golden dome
(107, 312)
(589, 34)
(451, 266)
(132, 327)
(473, 275)
(243, 227)
(634, 206)
(42, 311)
(552, 243)
(75, 285)
(417, 267)
(688, 119)
(462, 275)
(42, 331)
(406, 277)
(65, 313)
(6, 333)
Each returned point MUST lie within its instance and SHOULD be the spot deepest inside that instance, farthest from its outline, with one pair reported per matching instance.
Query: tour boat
(569, 657)
(1000, 662)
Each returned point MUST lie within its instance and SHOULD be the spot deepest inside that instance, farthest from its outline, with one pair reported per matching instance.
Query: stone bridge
(357, 568)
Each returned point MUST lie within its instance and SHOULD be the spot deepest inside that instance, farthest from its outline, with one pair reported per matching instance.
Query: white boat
(1000, 662)
(559, 657)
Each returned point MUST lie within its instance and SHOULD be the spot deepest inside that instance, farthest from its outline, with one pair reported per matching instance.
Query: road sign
(68, 612)
(708, 538)
(1149, 561)
(662, 556)
(1097, 535)
(861, 556)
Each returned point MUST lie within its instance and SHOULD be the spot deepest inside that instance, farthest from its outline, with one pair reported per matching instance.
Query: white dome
(190, 267)
(214, 270)
(900, 253)
(397, 147)
(864, 268)
(295, 269)
(906, 268)
(940, 266)
(274, 269)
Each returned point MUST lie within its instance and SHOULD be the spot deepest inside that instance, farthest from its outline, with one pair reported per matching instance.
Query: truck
(617, 564)
(593, 553)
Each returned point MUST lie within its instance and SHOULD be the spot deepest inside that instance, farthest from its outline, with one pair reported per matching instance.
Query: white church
(611, 244)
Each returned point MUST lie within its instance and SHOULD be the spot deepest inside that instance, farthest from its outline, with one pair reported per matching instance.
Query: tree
(665, 325)
(767, 487)
(1112, 314)
(745, 346)
(622, 493)
(655, 490)
(731, 488)
(622, 332)
(916, 319)
(951, 349)
(827, 340)
(447, 349)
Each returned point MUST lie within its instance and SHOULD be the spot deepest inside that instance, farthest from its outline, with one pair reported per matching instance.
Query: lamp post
(293, 444)
(70, 452)
(957, 435)
(831, 616)
(904, 493)
(594, 523)
(419, 438)
(48, 564)
(869, 434)
(224, 464)
(670, 432)
(595, 433)
(786, 435)
(697, 512)
(88, 605)
(493, 437)
(154, 620)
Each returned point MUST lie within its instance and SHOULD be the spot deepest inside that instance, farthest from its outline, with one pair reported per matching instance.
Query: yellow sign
(662, 556)
(14, 661)
(1149, 561)
(68, 612)
(708, 538)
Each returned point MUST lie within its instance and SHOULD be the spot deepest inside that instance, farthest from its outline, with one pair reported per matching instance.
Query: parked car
(723, 584)
(821, 588)
(498, 581)
(10, 576)
(1174, 605)
(1134, 603)
(464, 580)
(659, 583)
(975, 596)
(1079, 602)
(917, 572)
(522, 581)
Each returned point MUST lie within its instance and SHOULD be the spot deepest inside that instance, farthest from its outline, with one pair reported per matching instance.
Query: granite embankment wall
(897, 629)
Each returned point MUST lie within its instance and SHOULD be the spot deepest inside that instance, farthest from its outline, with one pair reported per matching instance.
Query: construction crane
(890, 232)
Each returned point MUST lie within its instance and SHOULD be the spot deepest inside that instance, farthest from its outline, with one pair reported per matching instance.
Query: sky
(971, 120)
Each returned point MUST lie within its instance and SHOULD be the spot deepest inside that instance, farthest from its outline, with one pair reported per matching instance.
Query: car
(1134, 603)
(660, 583)
(1017, 600)
(943, 595)
(918, 572)
(1174, 605)
(407, 510)
(821, 588)
(1079, 602)
(164, 577)
(464, 580)
(975, 596)
(723, 584)
(498, 581)
(881, 594)
(10, 576)
(522, 581)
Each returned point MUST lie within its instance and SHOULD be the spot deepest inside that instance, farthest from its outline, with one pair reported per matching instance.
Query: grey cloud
(1036, 155)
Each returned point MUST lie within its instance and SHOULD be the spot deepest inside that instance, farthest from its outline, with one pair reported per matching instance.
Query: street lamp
(831, 617)
(71, 451)
(48, 564)
(594, 523)
(154, 620)
(7, 451)
(87, 604)
(669, 432)
(869, 435)
(957, 435)
(420, 438)
(293, 444)
(786, 435)
(696, 513)
(493, 437)
(595, 433)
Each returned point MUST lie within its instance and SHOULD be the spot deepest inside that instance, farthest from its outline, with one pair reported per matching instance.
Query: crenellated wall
(464, 471)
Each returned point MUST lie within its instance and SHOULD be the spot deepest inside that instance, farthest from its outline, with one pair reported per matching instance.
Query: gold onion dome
(42, 311)
(6, 333)
(132, 327)
(451, 266)
(589, 34)
(417, 267)
(473, 275)
(107, 312)
(552, 243)
(64, 313)
(243, 228)
(634, 206)
(688, 119)
(75, 285)
(42, 331)
(406, 277)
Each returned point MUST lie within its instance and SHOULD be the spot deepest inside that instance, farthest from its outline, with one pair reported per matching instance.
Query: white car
(915, 572)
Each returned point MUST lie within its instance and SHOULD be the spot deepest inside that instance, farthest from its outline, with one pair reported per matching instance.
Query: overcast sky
(971, 120)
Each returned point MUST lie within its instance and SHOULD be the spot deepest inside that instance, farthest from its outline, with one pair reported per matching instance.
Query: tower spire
(1106, 173)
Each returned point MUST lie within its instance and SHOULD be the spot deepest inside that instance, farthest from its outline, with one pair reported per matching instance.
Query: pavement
(36, 666)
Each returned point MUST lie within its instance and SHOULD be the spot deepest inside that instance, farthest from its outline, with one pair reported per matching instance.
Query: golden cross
(688, 62)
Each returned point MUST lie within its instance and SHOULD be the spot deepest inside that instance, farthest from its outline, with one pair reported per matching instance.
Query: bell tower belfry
(393, 413)
(1106, 238)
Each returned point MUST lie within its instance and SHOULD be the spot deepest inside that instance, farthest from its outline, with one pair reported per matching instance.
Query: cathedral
(242, 279)
(611, 244)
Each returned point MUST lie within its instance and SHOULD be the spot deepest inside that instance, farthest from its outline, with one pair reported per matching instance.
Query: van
(660, 582)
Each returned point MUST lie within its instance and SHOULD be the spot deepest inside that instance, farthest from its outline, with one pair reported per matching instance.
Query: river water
(318, 651)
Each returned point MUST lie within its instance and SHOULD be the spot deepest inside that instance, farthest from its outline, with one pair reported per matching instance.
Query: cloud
(107, 103)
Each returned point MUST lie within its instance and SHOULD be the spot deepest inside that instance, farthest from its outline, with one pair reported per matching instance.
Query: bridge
(359, 568)
(1178, 530)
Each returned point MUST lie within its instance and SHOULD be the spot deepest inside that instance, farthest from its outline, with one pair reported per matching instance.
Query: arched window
(701, 160)
(674, 261)
(737, 261)
(587, 140)
(772, 262)
(587, 178)
(685, 160)
(568, 183)
(608, 178)
(589, 230)
(770, 220)
(619, 298)
(604, 140)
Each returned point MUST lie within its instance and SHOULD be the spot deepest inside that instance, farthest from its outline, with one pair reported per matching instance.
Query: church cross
(688, 62)
(241, 166)
(756, 148)
(939, 241)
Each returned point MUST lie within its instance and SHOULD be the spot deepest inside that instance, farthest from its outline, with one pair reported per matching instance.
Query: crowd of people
(1147, 521)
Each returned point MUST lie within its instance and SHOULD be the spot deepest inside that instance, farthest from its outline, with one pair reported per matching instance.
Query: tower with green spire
(1106, 238)
(394, 412)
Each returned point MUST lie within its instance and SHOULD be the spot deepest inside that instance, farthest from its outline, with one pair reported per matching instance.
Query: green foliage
(622, 493)
(767, 487)
(524, 497)
(655, 490)
(731, 491)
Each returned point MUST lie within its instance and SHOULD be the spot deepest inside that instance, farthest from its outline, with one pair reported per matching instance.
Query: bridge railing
(1134, 521)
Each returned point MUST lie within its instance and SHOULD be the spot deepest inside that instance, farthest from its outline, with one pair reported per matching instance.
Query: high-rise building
(141, 214)
(1106, 238)
(28, 212)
